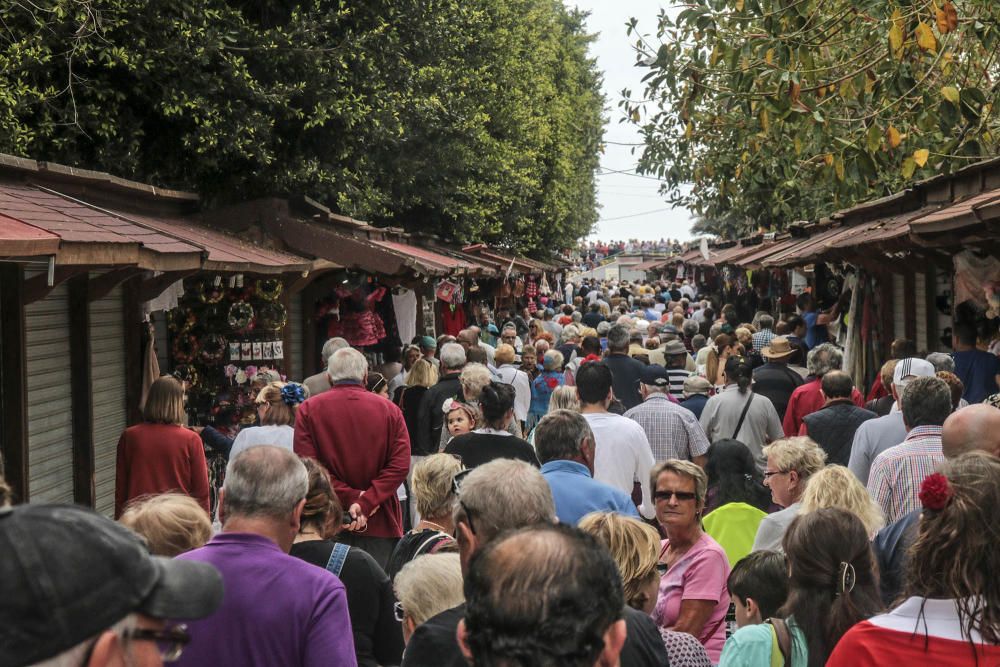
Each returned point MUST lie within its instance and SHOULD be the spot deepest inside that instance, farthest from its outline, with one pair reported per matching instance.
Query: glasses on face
(397, 611)
(456, 488)
(770, 473)
(667, 494)
(170, 641)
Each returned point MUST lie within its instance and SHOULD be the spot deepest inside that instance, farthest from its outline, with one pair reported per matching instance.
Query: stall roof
(734, 254)
(652, 264)
(765, 250)
(19, 239)
(431, 258)
(961, 214)
(804, 251)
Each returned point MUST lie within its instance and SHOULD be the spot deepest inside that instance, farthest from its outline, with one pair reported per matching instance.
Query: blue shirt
(815, 333)
(978, 371)
(577, 494)
(695, 403)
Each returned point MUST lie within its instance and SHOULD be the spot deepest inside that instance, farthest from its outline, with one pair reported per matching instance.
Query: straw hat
(778, 349)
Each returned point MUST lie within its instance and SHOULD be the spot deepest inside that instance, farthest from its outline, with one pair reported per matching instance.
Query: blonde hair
(564, 397)
(473, 379)
(684, 469)
(799, 453)
(885, 373)
(278, 412)
(171, 523)
(836, 486)
(504, 354)
(634, 546)
(432, 484)
(422, 374)
(165, 402)
(429, 585)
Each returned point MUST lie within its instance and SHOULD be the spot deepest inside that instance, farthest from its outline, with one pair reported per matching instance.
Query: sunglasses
(397, 611)
(770, 473)
(169, 641)
(680, 495)
(456, 488)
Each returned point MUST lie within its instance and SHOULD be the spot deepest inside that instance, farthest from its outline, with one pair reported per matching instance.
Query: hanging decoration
(269, 289)
(271, 317)
(241, 317)
(181, 320)
(210, 291)
(185, 348)
(213, 349)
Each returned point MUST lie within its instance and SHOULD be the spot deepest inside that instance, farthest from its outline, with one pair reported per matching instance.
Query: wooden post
(910, 306)
(81, 390)
(13, 381)
(134, 343)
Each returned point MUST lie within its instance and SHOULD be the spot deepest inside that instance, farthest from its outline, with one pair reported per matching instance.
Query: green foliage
(472, 119)
(778, 110)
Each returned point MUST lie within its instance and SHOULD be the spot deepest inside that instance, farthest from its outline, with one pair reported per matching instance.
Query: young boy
(758, 586)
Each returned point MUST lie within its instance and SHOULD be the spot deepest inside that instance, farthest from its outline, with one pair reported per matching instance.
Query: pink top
(700, 574)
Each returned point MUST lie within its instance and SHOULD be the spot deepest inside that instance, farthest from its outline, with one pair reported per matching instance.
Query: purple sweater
(277, 611)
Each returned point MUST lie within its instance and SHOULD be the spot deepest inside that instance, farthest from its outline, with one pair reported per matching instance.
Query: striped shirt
(898, 472)
(673, 432)
(677, 377)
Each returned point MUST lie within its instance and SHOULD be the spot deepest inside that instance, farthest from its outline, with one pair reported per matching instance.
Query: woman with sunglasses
(692, 596)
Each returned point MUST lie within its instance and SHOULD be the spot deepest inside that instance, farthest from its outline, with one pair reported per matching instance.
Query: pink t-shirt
(700, 574)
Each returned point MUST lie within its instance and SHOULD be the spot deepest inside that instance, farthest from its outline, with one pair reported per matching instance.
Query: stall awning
(972, 211)
(431, 260)
(763, 251)
(18, 239)
(804, 251)
(91, 236)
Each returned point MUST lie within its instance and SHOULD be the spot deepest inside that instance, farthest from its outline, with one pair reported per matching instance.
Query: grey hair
(553, 360)
(564, 398)
(689, 328)
(577, 316)
(569, 332)
(765, 322)
(926, 401)
(331, 346)
(347, 364)
(505, 494)
(74, 657)
(618, 338)
(510, 326)
(429, 585)
(559, 435)
(452, 356)
(264, 481)
(474, 378)
(941, 362)
(603, 328)
(824, 358)
(714, 331)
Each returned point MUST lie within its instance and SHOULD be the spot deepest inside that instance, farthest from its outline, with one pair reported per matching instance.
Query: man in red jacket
(361, 438)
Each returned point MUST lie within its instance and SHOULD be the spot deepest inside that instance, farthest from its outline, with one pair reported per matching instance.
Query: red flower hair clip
(590, 358)
(935, 492)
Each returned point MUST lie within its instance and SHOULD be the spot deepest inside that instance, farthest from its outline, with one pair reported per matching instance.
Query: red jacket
(806, 400)
(156, 458)
(362, 440)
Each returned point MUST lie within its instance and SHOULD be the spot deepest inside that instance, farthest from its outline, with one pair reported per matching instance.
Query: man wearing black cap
(78, 589)
(673, 432)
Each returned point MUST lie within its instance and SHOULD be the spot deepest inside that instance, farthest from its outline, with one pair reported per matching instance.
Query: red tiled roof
(18, 239)
(429, 257)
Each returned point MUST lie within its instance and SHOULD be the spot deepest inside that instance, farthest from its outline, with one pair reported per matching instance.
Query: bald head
(974, 428)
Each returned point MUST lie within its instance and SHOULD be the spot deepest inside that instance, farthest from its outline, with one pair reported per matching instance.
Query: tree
(472, 119)
(778, 110)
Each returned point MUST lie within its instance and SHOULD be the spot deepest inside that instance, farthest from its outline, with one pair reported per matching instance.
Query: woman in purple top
(692, 596)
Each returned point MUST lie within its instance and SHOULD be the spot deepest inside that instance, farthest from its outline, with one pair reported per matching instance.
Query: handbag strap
(337, 558)
(743, 415)
(784, 638)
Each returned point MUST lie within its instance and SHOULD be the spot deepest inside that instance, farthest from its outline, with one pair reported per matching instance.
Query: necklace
(435, 525)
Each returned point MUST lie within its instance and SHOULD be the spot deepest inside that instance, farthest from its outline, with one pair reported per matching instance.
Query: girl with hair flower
(277, 404)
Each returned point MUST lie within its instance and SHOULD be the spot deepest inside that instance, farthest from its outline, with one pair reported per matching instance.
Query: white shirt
(623, 456)
(279, 436)
(510, 374)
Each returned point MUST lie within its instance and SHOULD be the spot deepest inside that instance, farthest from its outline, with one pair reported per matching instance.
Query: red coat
(156, 458)
(806, 400)
(362, 440)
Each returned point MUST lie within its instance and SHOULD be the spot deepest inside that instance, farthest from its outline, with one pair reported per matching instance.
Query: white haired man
(362, 440)
(317, 384)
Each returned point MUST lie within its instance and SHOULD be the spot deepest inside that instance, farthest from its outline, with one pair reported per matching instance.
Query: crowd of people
(631, 479)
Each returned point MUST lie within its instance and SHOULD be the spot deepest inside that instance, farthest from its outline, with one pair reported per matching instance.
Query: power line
(635, 215)
(623, 172)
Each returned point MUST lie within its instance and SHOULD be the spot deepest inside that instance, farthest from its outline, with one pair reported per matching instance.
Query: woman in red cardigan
(160, 454)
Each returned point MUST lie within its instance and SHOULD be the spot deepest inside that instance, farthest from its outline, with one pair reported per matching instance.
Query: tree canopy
(780, 110)
(472, 119)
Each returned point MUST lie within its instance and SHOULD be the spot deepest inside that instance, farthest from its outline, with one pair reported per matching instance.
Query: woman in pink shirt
(692, 596)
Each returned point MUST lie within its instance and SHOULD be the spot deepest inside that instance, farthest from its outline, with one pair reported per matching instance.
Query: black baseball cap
(68, 573)
(654, 375)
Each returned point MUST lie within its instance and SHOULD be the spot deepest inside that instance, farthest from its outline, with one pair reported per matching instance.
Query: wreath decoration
(213, 349)
(206, 291)
(241, 316)
(269, 289)
(186, 373)
(181, 320)
(185, 349)
(272, 316)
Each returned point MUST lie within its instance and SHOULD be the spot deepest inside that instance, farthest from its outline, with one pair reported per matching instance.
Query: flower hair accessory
(448, 405)
(935, 492)
(590, 358)
(292, 393)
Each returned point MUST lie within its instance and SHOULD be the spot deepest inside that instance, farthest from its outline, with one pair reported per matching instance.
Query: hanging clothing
(452, 318)
(404, 302)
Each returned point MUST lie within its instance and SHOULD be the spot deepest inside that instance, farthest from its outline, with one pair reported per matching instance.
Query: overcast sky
(631, 206)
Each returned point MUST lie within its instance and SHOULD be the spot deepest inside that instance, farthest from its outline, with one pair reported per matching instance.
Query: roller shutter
(297, 328)
(50, 419)
(898, 307)
(107, 331)
(920, 287)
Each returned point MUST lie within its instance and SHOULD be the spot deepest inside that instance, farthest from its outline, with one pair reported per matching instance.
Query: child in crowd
(758, 586)
(460, 417)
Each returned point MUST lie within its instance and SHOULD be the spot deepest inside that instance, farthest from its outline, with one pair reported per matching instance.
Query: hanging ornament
(185, 348)
(213, 349)
(271, 317)
(269, 289)
(241, 317)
